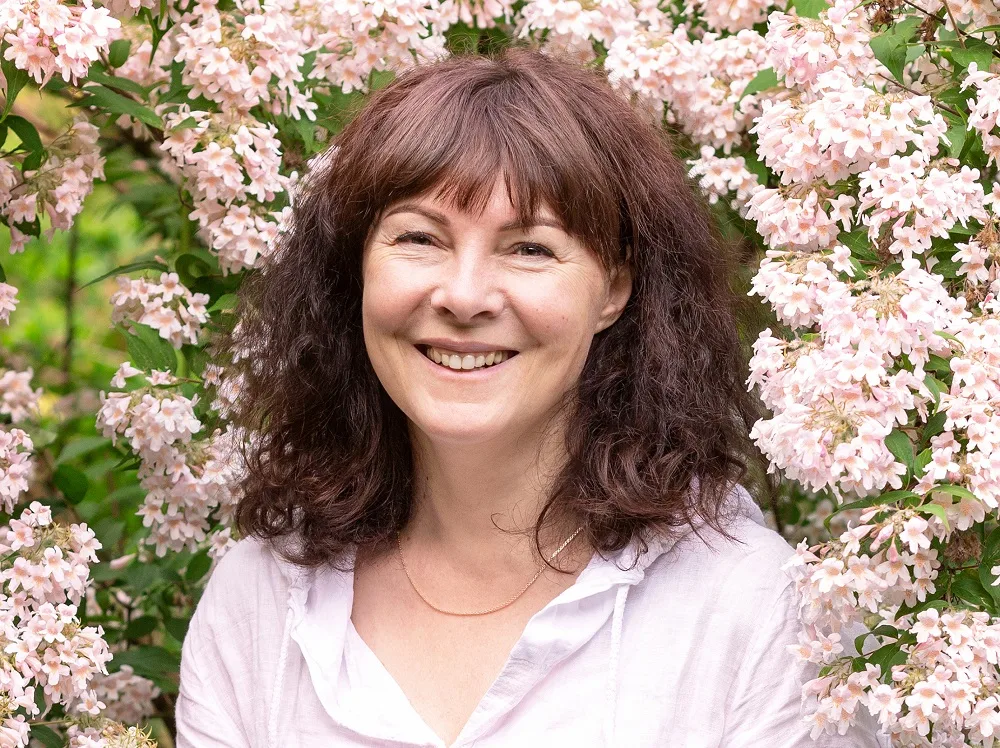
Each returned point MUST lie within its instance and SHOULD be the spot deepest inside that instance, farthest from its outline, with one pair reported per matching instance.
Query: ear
(619, 291)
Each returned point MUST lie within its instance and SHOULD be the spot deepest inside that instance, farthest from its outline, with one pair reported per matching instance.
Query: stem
(938, 104)
(961, 34)
(958, 31)
(74, 241)
(927, 13)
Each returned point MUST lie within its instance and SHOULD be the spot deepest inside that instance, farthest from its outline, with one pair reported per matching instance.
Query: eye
(414, 237)
(543, 251)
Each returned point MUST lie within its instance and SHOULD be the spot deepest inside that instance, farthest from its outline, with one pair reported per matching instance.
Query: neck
(478, 504)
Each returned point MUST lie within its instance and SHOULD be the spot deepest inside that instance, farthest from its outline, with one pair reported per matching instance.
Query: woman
(493, 497)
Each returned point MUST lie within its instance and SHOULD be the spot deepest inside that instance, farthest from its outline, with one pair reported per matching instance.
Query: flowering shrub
(857, 143)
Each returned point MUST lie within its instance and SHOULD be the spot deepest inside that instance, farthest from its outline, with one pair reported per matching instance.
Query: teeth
(466, 361)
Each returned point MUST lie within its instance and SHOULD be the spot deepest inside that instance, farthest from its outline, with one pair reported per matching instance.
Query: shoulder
(744, 576)
(249, 582)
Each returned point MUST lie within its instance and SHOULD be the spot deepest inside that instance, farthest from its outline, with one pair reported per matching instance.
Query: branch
(917, 93)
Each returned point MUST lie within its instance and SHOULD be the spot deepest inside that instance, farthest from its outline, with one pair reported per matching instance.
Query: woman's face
(466, 290)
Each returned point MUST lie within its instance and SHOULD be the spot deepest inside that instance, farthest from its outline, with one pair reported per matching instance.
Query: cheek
(388, 296)
(560, 311)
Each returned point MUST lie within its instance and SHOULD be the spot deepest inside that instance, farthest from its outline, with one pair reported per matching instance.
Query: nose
(468, 287)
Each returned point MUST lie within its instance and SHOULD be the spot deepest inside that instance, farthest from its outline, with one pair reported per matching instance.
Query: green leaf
(951, 337)
(756, 167)
(118, 52)
(132, 493)
(969, 588)
(16, 79)
(113, 81)
(226, 301)
(936, 602)
(104, 98)
(26, 132)
(148, 661)
(991, 547)
(47, 736)
(148, 351)
(3, 275)
(879, 631)
(958, 492)
(885, 657)
(190, 267)
(938, 365)
(177, 627)
(938, 511)
(860, 245)
(932, 384)
(141, 627)
(889, 498)
(103, 572)
(890, 48)
(140, 577)
(764, 80)
(809, 8)
(130, 268)
(990, 582)
(81, 446)
(990, 559)
(73, 483)
(184, 124)
(922, 461)
(975, 50)
(198, 566)
(956, 135)
(306, 129)
(901, 447)
(109, 531)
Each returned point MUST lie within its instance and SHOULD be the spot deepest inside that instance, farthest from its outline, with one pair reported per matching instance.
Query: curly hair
(658, 431)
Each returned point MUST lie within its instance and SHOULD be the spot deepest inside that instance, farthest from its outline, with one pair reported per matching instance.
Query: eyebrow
(443, 219)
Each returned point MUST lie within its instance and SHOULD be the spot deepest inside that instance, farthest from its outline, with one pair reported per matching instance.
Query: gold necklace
(399, 547)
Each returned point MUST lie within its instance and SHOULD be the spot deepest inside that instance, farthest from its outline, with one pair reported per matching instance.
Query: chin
(457, 430)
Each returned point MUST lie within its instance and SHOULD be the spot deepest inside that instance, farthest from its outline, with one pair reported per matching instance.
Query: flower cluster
(244, 57)
(187, 479)
(842, 128)
(698, 82)
(17, 399)
(801, 49)
(168, 307)
(886, 376)
(730, 16)
(56, 188)
(46, 37)
(16, 466)
(355, 38)
(104, 733)
(232, 166)
(724, 176)
(985, 108)
(44, 574)
(127, 697)
(8, 301)
(948, 676)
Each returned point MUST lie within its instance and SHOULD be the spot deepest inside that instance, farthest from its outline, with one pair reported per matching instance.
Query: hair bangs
(456, 141)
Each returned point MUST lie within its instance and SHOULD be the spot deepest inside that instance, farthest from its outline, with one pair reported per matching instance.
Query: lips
(465, 361)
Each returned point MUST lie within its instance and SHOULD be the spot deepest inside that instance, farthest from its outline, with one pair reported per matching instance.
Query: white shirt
(687, 650)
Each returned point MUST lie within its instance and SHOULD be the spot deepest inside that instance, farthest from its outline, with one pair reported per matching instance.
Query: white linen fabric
(687, 649)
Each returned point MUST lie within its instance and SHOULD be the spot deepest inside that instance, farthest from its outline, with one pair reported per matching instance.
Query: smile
(458, 361)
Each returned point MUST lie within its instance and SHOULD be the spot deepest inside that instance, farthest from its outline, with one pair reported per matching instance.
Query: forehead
(437, 204)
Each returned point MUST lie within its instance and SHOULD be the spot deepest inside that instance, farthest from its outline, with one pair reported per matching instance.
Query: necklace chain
(555, 553)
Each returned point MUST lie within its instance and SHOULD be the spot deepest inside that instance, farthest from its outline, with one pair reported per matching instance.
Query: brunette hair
(661, 400)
